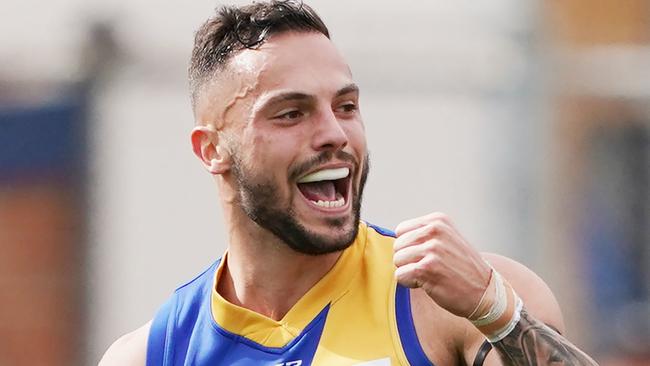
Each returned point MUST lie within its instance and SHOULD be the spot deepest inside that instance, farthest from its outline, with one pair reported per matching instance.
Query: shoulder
(128, 350)
(131, 348)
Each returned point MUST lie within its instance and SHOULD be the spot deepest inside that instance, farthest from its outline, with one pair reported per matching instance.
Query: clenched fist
(431, 254)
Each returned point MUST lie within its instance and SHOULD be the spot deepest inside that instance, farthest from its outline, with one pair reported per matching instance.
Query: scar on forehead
(243, 72)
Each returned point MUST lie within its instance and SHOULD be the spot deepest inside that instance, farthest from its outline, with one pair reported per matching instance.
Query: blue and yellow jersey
(355, 315)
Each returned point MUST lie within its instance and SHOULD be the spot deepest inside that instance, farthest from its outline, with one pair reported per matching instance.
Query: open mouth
(326, 188)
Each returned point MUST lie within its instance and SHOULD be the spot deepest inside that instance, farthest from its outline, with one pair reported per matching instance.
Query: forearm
(531, 342)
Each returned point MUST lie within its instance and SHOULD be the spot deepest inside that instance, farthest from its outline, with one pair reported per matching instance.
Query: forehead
(306, 62)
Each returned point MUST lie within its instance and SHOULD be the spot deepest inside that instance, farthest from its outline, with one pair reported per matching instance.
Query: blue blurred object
(42, 141)
(617, 247)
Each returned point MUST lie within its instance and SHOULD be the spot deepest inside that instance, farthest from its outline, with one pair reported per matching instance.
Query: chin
(331, 234)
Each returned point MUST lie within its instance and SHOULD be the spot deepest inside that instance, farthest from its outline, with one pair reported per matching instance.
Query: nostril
(333, 145)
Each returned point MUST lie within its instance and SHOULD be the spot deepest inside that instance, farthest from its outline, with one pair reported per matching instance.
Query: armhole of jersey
(406, 329)
(158, 347)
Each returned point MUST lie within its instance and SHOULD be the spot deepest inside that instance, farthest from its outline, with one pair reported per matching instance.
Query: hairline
(197, 87)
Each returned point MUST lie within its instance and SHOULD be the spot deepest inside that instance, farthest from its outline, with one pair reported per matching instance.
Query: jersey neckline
(268, 332)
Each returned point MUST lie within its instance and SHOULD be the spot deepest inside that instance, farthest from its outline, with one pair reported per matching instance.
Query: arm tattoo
(533, 343)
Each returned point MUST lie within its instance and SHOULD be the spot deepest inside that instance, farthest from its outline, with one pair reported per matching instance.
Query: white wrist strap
(498, 307)
(503, 332)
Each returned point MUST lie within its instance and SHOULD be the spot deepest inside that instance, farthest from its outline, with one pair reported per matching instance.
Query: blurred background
(527, 121)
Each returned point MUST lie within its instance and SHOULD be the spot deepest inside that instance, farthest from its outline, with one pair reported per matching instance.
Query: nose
(329, 133)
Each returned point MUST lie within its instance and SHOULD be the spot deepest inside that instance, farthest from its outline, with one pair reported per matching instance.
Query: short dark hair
(234, 28)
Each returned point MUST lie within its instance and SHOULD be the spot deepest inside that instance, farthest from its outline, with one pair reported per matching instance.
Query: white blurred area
(455, 97)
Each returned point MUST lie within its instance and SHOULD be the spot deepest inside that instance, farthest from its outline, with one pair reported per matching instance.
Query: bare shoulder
(537, 296)
(128, 350)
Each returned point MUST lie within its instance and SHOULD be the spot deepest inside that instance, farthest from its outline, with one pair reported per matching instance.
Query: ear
(206, 146)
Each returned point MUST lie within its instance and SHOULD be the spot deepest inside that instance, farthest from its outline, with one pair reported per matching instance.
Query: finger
(414, 237)
(411, 254)
(406, 275)
(436, 229)
(412, 224)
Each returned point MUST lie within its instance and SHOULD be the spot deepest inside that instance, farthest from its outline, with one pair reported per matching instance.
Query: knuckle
(431, 246)
(425, 266)
(440, 248)
(436, 227)
(430, 262)
(428, 233)
(417, 270)
(439, 217)
(441, 225)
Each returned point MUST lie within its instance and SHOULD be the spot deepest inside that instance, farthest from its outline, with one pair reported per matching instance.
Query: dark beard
(257, 198)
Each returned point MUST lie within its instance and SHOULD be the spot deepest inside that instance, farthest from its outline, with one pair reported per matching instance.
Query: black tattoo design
(533, 343)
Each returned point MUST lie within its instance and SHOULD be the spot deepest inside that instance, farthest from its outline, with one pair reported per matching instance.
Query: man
(304, 281)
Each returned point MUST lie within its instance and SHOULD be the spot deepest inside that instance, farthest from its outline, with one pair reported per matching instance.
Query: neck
(263, 274)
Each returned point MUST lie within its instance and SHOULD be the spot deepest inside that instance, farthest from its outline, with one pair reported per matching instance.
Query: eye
(289, 114)
(347, 107)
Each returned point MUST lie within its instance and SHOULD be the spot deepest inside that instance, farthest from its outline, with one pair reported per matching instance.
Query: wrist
(498, 311)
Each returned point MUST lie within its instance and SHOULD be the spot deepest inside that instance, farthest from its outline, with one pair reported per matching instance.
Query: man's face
(297, 141)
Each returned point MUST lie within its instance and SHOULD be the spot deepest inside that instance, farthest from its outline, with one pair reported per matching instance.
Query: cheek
(357, 137)
(271, 153)
(357, 141)
(257, 154)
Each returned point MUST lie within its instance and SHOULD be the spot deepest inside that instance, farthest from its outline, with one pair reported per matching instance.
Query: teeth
(325, 174)
(338, 203)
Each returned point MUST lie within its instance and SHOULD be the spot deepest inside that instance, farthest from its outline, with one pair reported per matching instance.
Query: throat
(271, 288)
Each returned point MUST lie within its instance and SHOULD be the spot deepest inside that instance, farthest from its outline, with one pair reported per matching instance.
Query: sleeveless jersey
(355, 315)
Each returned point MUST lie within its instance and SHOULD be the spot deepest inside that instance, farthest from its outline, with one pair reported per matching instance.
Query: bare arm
(128, 350)
(534, 343)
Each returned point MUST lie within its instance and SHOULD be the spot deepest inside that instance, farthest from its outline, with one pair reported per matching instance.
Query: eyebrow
(299, 96)
(283, 97)
(350, 88)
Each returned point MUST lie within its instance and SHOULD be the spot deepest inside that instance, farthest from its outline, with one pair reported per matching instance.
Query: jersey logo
(291, 363)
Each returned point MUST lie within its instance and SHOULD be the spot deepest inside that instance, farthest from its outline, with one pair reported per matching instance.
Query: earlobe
(205, 144)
